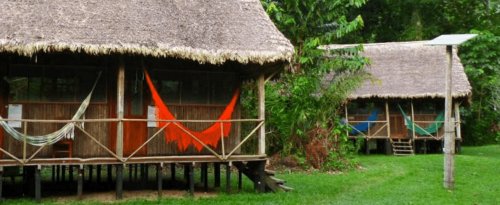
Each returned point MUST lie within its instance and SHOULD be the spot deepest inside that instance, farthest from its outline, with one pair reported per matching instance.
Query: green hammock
(429, 130)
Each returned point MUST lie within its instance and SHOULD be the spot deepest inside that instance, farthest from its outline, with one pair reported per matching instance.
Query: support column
(79, 189)
(120, 108)
(216, 174)
(240, 180)
(228, 178)
(38, 186)
(262, 113)
(110, 175)
(191, 179)
(1, 183)
(172, 171)
(91, 172)
(70, 173)
(388, 147)
(204, 173)
(259, 184)
(119, 181)
(159, 178)
(449, 139)
(98, 173)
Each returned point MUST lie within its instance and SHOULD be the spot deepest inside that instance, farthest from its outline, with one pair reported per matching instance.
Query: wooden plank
(120, 95)
(262, 113)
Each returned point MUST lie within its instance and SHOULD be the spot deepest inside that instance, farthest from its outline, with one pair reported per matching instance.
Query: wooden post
(79, 189)
(130, 169)
(53, 173)
(260, 183)
(63, 173)
(458, 122)
(110, 175)
(388, 149)
(1, 182)
(413, 121)
(346, 118)
(119, 181)
(120, 108)
(38, 186)
(204, 171)
(98, 173)
(262, 113)
(449, 141)
(191, 179)
(159, 178)
(240, 180)
(228, 178)
(172, 171)
(91, 172)
(58, 173)
(70, 173)
(216, 174)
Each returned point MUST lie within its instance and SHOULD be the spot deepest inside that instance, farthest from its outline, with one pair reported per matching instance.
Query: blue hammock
(363, 126)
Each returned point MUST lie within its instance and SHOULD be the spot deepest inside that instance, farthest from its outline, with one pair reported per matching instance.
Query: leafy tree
(302, 105)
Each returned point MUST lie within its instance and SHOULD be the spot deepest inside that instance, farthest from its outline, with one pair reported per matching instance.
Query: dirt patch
(110, 196)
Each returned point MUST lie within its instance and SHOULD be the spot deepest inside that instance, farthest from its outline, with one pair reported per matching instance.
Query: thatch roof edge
(417, 96)
(189, 53)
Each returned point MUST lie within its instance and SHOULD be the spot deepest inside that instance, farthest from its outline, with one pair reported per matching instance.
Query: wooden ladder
(402, 147)
(271, 182)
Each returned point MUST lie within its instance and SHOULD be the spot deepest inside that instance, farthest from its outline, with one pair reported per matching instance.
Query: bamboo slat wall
(82, 145)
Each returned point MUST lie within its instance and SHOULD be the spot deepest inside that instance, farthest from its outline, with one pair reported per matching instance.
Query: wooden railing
(114, 157)
(368, 133)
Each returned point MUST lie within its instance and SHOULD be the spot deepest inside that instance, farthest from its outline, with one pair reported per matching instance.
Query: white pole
(449, 141)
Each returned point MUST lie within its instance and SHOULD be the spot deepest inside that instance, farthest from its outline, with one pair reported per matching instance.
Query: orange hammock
(175, 132)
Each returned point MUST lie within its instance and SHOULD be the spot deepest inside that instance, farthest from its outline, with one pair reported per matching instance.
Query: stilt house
(118, 83)
(402, 104)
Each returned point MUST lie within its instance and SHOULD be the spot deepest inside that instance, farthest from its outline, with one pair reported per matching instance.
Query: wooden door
(134, 133)
(398, 127)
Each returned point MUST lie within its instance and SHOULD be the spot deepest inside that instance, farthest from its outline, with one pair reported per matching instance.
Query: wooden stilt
(191, 179)
(130, 172)
(228, 178)
(63, 173)
(216, 174)
(186, 175)
(53, 173)
(98, 173)
(79, 188)
(91, 172)
(260, 182)
(172, 171)
(159, 178)
(425, 146)
(38, 186)
(143, 175)
(136, 171)
(388, 149)
(70, 173)
(119, 181)
(202, 176)
(240, 180)
(58, 173)
(204, 171)
(367, 147)
(109, 168)
(1, 183)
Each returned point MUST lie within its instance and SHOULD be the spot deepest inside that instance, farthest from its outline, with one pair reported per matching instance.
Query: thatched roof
(410, 70)
(207, 31)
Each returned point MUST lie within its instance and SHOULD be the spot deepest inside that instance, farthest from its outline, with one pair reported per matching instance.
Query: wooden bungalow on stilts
(400, 108)
(109, 87)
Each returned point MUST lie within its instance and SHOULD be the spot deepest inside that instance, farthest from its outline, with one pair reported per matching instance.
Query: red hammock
(175, 132)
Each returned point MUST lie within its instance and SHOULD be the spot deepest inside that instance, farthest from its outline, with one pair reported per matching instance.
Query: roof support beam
(262, 113)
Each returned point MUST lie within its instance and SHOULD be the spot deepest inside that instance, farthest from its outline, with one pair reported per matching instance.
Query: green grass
(382, 180)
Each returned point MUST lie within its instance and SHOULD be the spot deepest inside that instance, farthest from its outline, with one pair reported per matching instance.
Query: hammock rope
(51, 138)
(210, 136)
(363, 126)
(429, 130)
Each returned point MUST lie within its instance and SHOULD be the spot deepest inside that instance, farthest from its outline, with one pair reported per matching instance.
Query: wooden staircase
(402, 147)
(271, 182)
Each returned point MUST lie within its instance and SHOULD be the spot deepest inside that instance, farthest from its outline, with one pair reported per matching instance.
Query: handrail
(222, 156)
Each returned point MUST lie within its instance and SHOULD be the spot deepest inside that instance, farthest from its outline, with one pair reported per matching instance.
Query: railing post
(25, 128)
(120, 108)
(262, 113)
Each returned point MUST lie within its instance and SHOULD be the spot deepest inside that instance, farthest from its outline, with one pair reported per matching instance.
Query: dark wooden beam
(159, 178)
(38, 186)
(79, 188)
(191, 179)
(216, 174)
(119, 181)
(228, 178)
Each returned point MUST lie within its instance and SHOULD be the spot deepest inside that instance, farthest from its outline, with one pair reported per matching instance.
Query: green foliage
(482, 59)
(303, 104)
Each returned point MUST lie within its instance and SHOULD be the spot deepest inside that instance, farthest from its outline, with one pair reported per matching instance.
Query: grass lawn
(383, 180)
